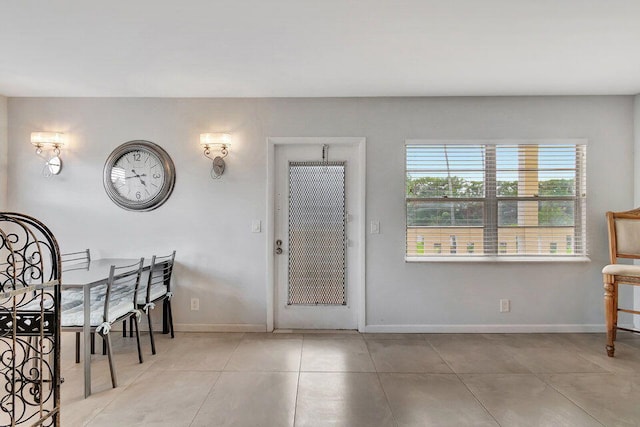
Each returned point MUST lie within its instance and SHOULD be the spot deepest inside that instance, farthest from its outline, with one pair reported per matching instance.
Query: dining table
(86, 276)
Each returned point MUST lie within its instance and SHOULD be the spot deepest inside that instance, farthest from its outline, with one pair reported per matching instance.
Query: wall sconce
(220, 141)
(53, 141)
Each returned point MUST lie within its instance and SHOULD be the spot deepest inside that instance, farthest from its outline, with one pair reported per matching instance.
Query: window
(502, 200)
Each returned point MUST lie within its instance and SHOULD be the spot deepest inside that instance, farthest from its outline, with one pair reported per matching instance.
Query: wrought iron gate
(29, 323)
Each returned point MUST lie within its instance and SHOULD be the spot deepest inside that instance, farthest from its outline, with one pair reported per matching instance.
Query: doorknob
(278, 247)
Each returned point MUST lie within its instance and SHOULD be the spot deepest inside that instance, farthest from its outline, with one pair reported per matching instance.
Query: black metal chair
(116, 304)
(75, 260)
(71, 297)
(156, 290)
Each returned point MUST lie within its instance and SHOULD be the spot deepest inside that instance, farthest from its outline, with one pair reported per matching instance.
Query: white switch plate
(375, 227)
(505, 306)
(256, 226)
(195, 304)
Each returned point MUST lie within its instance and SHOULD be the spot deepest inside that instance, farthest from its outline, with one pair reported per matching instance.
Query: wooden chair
(624, 242)
(157, 289)
(116, 304)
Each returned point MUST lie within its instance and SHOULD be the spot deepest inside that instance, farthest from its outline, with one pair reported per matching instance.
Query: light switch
(375, 227)
(256, 226)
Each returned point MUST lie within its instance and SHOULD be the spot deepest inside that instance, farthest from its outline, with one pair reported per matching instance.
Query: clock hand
(140, 177)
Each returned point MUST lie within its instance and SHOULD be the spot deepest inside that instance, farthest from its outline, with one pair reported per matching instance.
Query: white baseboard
(191, 327)
(402, 329)
(220, 327)
(523, 328)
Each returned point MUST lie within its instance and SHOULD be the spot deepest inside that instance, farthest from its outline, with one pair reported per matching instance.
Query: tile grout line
(512, 351)
(295, 405)
(571, 400)
(386, 396)
(215, 382)
(224, 368)
(119, 390)
(206, 396)
(514, 354)
(463, 383)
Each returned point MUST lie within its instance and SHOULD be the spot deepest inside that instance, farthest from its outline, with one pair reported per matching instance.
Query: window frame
(491, 200)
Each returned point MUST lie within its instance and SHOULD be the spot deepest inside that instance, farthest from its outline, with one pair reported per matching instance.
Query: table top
(95, 271)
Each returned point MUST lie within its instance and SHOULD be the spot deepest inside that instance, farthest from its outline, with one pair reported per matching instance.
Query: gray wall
(4, 144)
(208, 222)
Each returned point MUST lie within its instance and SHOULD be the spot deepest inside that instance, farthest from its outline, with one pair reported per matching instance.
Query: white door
(315, 240)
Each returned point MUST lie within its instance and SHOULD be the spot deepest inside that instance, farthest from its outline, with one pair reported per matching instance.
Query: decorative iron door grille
(29, 323)
(317, 234)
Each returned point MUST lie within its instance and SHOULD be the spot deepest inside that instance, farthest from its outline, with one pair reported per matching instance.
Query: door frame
(359, 200)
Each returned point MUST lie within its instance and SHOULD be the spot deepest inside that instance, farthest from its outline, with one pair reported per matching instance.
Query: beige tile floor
(350, 379)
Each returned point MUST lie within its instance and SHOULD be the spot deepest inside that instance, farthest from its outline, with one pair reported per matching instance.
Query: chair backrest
(624, 234)
(123, 283)
(160, 273)
(75, 260)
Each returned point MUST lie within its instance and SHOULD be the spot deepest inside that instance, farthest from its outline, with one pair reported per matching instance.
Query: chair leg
(135, 323)
(170, 313)
(104, 347)
(609, 309)
(77, 347)
(112, 366)
(165, 316)
(615, 311)
(124, 328)
(153, 342)
(131, 322)
(93, 343)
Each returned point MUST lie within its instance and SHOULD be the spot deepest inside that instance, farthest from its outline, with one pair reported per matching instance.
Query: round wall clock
(139, 176)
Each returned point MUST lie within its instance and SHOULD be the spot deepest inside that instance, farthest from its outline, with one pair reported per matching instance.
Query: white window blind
(499, 200)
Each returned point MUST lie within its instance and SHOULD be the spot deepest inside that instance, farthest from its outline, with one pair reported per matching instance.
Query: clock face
(139, 175)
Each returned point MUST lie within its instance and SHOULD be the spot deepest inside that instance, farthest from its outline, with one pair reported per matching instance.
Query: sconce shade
(47, 138)
(215, 139)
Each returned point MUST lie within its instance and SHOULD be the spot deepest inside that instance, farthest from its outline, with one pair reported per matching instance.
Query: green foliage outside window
(458, 212)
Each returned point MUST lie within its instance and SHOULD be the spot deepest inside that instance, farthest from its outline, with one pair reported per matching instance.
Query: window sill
(480, 258)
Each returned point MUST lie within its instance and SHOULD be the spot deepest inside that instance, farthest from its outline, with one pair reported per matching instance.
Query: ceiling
(319, 48)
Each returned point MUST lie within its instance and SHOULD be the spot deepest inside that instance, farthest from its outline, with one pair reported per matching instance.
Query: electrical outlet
(505, 306)
(375, 227)
(256, 226)
(195, 304)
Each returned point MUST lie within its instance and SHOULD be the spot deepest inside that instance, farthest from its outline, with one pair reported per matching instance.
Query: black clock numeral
(138, 195)
(156, 175)
(136, 157)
